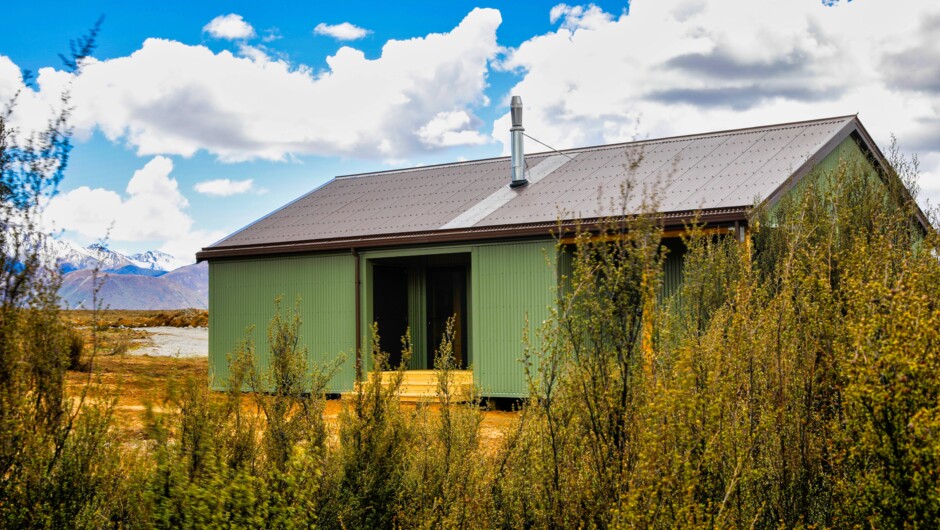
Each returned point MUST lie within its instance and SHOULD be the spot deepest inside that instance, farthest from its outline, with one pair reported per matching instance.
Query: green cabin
(408, 248)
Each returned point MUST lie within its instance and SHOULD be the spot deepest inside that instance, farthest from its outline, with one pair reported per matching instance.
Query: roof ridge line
(596, 147)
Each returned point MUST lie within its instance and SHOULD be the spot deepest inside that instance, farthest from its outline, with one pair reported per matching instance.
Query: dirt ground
(135, 366)
(168, 341)
(116, 332)
(114, 318)
(136, 381)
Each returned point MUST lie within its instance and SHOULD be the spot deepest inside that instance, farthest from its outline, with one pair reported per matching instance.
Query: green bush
(76, 346)
(793, 380)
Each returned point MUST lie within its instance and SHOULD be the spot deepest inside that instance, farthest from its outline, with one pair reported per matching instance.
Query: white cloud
(271, 35)
(257, 54)
(151, 209)
(451, 128)
(342, 31)
(33, 109)
(574, 17)
(668, 67)
(684, 66)
(169, 98)
(224, 187)
(186, 245)
(230, 27)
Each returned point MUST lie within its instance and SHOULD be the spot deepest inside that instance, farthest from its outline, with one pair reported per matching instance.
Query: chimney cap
(515, 108)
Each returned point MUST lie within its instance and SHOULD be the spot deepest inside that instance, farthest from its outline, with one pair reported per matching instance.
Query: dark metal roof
(720, 174)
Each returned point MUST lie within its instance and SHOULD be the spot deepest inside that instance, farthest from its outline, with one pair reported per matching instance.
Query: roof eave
(485, 233)
(852, 127)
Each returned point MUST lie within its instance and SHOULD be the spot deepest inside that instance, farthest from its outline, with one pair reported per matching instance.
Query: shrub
(447, 471)
(76, 349)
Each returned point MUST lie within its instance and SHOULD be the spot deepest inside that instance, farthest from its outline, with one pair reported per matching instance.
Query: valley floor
(137, 381)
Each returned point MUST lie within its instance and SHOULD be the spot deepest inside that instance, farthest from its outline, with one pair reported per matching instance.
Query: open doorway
(420, 293)
(447, 297)
(390, 308)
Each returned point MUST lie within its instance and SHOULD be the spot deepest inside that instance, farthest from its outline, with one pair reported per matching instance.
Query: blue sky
(194, 118)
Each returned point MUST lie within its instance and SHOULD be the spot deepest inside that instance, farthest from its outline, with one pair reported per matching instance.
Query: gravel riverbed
(174, 342)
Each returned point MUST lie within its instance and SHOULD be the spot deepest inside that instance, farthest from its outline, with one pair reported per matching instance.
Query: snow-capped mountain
(70, 257)
(182, 288)
(147, 280)
(156, 260)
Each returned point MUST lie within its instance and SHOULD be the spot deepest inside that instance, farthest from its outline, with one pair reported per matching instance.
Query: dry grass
(116, 332)
(113, 318)
(138, 381)
(134, 382)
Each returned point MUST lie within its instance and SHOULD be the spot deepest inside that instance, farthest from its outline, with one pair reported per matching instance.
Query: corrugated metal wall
(417, 311)
(509, 281)
(848, 151)
(242, 293)
(672, 267)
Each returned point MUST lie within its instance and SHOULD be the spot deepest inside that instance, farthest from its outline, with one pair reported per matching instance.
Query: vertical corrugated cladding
(509, 281)
(565, 269)
(417, 311)
(672, 266)
(242, 293)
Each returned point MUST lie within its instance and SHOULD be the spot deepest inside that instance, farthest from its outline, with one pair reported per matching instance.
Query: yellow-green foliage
(446, 476)
(792, 381)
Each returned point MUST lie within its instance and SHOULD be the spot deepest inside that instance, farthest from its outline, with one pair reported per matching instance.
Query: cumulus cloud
(341, 31)
(152, 208)
(224, 187)
(185, 246)
(914, 65)
(574, 17)
(681, 66)
(271, 35)
(229, 27)
(169, 98)
(448, 129)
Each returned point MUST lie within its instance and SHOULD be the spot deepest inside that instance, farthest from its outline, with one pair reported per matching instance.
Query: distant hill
(69, 257)
(147, 280)
(181, 288)
(194, 277)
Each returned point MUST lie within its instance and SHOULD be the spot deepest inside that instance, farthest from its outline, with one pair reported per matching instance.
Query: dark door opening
(390, 309)
(447, 297)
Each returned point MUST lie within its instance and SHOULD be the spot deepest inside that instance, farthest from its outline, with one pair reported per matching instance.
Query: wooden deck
(421, 385)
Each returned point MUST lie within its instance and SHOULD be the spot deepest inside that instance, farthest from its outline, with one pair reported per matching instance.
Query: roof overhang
(560, 228)
(855, 130)
(450, 233)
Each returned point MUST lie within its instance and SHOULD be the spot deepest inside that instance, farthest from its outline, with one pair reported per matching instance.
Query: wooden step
(421, 385)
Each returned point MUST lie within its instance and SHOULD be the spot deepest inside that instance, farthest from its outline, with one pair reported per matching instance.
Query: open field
(114, 318)
(139, 381)
(135, 381)
(116, 332)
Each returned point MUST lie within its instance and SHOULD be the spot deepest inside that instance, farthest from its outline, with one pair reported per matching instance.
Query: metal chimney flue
(518, 152)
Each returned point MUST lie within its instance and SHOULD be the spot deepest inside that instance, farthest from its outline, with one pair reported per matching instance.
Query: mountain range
(146, 280)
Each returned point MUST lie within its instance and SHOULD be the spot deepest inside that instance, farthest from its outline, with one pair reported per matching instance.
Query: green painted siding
(672, 267)
(847, 152)
(242, 293)
(565, 268)
(509, 281)
(417, 307)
